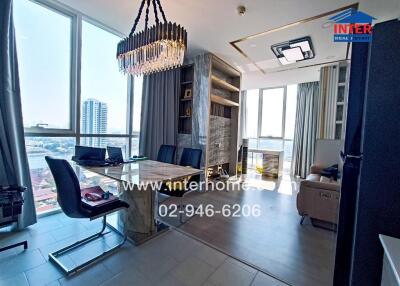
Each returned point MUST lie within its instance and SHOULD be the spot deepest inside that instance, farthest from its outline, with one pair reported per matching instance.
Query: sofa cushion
(313, 177)
(324, 179)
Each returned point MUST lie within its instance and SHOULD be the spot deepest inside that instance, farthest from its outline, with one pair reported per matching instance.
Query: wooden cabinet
(214, 121)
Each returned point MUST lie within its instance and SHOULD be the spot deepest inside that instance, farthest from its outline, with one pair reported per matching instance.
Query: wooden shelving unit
(214, 120)
(186, 103)
(223, 101)
(223, 84)
(186, 99)
(186, 82)
(341, 100)
(222, 147)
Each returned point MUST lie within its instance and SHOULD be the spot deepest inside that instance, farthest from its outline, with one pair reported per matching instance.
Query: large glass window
(103, 88)
(44, 52)
(37, 148)
(272, 126)
(272, 111)
(291, 104)
(51, 73)
(252, 101)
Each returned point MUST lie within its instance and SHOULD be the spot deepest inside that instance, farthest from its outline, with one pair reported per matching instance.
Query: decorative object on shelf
(245, 144)
(158, 48)
(188, 93)
(188, 111)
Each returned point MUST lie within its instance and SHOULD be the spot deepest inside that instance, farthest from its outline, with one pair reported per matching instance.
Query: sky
(44, 53)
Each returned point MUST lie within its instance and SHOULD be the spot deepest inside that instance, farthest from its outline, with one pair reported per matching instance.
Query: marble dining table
(137, 185)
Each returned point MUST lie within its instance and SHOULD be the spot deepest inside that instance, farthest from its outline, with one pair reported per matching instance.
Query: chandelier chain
(147, 15)
(155, 12)
(137, 18)
(162, 11)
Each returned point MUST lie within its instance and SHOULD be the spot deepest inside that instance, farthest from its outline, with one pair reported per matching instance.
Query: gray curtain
(327, 105)
(14, 167)
(305, 128)
(160, 108)
(243, 116)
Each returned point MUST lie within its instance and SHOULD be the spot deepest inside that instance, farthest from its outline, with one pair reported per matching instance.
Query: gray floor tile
(54, 283)
(88, 251)
(45, 250)
(208, 283)
(154, 267)
(231, 273)
(13, 237)
(44, 225)
(242, 265)
(192, 271)
(40, 239)
(91, 276)
(128, 278)
(20, 262)
(266, 280)
(17, 280)
(70, 230)
(121, 259)
(43, 274)
(169, 280)
(170, 259)
(7, 253)
(210, 256)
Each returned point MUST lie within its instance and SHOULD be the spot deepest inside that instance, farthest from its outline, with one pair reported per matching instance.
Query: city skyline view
(94, 120)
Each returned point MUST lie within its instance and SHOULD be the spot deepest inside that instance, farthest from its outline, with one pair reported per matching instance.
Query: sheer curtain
(14, 169)
(305, 128)
(160, 108)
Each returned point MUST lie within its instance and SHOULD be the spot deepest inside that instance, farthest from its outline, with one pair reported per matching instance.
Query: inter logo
(352, 26)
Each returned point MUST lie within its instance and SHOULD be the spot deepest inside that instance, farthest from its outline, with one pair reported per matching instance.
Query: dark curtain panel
(160, 108)
(305, 128)
(14, 167)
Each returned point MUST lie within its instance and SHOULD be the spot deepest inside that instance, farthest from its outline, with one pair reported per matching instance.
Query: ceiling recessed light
(294, 50)
(293, 54)
(305, 46)
(284, 61)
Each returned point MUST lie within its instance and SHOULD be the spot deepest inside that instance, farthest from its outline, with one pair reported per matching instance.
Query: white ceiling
(212, 24)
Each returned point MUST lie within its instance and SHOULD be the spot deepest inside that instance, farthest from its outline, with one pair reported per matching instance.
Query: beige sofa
(316, 199)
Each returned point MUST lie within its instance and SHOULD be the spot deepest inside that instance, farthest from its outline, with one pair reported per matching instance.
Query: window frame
(260, 106)
(75, 80)
(259, 124)
(68, 132)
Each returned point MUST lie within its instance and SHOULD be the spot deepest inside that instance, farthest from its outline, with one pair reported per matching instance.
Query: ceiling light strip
(303, 21)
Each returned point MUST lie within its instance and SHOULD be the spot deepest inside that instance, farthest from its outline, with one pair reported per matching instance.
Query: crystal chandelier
(158, 48)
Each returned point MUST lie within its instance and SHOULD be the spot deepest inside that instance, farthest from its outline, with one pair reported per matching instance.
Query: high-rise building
(94, 121)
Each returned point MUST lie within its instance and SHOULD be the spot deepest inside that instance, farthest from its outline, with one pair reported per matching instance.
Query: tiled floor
(170, 259)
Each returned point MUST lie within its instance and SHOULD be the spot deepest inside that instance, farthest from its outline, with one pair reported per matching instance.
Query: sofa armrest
(319, 200)
(320, 185)
(316, 169)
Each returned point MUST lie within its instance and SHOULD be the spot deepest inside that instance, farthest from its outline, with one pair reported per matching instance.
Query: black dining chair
(190, 158)
(166, 154)
(70, 201)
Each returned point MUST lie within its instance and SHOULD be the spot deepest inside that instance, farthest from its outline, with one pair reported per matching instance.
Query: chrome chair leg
(54, 255)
